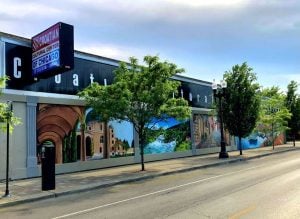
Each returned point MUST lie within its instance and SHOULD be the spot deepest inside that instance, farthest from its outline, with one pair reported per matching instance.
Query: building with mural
(51, 111)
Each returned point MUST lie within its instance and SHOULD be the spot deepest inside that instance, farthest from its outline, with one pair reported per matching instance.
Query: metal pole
(220, 93)
(7, 148)
(223, 153)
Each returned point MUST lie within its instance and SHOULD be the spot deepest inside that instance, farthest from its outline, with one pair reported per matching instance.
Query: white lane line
(152, 193)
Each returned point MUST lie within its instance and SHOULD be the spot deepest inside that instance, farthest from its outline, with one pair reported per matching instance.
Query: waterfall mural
(169, 135)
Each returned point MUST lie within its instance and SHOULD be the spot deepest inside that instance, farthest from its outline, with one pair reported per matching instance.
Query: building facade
(50, 110)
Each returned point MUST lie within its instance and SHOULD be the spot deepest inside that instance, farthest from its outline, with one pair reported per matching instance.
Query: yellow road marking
(242, 212)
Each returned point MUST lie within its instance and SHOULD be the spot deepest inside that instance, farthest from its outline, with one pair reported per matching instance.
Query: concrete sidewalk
(29, 190)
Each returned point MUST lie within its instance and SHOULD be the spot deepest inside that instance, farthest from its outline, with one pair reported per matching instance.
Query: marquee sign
(53, 51)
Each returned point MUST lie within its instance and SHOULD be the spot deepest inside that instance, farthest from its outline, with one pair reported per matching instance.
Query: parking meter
(48, 166)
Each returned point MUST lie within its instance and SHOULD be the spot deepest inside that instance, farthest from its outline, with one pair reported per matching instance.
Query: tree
(292, 102)
(274, 115)
(6, 114)
(241, 102)
(139, 94)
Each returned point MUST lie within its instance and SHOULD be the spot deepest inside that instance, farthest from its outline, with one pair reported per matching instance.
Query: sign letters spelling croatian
(53, 51)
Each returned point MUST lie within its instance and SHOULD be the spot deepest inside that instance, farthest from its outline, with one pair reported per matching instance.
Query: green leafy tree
(274, 115)
(6, 114)
(292, 102)
(139, 94)
(241, 102)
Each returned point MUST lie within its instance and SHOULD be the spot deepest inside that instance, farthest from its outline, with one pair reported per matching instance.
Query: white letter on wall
(92, 78)
(58, 79)
(17, 63)
(75, 80)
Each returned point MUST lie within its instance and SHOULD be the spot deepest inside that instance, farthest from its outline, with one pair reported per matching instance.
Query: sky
(205, 37)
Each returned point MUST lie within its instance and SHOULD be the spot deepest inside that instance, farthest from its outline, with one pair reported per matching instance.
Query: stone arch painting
(78, 134)
(55, 122)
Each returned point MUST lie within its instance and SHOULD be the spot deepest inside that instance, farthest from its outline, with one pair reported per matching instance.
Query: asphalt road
(268, 187)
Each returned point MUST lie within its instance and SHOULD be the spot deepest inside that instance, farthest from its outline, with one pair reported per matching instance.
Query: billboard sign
(53, 51)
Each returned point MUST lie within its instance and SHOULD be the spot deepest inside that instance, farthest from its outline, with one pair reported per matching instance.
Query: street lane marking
(152, 193)
(243, 212)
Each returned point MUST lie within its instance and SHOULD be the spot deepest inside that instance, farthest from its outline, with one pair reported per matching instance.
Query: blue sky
(205, 37)
(123, 130)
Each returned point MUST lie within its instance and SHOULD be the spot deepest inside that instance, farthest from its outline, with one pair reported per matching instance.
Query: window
(101, 139)
(100, 149)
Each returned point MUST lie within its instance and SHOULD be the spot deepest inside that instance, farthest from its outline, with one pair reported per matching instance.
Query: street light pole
(8, 117)
(219, 93)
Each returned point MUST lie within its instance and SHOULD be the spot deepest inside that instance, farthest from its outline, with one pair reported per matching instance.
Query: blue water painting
(251, 142)
(159, 146)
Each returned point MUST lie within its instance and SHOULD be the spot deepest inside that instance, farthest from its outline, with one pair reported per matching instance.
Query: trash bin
(48, 166)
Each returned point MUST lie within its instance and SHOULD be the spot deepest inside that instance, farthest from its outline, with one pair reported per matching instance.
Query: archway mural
(79, 134)
(55, 123)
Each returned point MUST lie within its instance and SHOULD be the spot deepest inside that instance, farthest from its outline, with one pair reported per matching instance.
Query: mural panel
(207, 134)
(117, 135)
(257, 139)
(169, 135)
(79, 134)
(207, 131)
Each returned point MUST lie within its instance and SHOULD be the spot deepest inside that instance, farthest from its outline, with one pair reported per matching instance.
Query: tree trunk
(105, 142)
(240, 145)
(273, 140)
(142, 158)
(142, 143)
(294, 140)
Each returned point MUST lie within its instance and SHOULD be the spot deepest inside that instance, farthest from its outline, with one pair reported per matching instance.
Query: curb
(53, 194)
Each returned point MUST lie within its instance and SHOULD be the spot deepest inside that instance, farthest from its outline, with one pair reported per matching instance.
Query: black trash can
(48, 166)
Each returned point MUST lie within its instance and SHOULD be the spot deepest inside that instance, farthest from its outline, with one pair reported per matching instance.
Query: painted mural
(79, 134)
(257, 139)
(169, 135)
(119, 137)
(207, 131)
(207, 134)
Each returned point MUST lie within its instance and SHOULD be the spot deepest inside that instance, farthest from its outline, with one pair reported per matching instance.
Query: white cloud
(111, 51)
(209, 3)
(28, 8)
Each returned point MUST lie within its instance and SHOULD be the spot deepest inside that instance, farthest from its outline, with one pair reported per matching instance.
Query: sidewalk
(29, 190)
